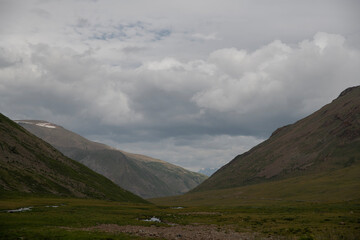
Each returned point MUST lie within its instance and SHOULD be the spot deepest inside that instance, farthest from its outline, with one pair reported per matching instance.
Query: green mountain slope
(142, 175)
(325, 141)
(30, 165)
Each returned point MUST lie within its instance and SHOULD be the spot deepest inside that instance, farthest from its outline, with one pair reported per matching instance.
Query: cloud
(42, 13)
(233, 92)
(56, 82)
(175, 73)
(295, 80)
(205, 37)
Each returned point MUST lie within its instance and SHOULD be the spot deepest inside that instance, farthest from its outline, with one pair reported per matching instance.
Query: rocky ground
(187, 232)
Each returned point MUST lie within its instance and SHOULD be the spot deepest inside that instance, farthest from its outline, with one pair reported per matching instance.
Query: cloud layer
(183, 92)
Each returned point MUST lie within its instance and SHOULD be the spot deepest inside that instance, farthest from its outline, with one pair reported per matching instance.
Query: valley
(179, 120)
(301, 184)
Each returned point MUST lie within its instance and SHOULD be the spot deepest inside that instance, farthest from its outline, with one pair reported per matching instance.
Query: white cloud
(279, 77)
(165, 64)
(63, 81)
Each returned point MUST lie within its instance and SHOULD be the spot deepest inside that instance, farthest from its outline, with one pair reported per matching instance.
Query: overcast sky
(194, 83)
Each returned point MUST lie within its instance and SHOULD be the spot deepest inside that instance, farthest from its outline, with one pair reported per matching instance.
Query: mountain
(208, 171)
(29, 165)
(324, 143)
(142, 175)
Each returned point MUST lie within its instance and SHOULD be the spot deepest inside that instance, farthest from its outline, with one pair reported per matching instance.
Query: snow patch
(40, 124)
(23, 122)
(47, 125)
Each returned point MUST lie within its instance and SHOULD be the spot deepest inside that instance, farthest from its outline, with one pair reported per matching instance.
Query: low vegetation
(66, 218)
(335, 186)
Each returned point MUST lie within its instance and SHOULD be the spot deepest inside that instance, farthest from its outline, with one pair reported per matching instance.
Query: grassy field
(281, 220)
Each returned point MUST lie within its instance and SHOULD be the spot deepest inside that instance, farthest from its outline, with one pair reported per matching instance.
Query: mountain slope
(325, 141)
(30, 165)
(139, 174)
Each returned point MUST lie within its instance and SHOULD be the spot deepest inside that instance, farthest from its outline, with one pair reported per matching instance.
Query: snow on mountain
(40, 124)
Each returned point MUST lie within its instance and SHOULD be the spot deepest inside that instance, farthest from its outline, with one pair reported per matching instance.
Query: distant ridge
(326, 141)
(31, 166)
(208, 171)
(142, 175)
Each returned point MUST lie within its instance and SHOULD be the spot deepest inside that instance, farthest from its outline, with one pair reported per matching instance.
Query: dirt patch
(200, 213)
(188, 232)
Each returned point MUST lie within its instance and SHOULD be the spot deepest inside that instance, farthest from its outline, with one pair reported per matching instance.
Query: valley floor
(55, 218)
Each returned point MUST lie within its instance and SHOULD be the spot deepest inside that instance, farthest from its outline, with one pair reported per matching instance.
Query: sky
(194, 83)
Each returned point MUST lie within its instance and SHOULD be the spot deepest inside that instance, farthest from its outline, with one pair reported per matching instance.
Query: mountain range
(31, 166)
(142, 175)
(315, 158)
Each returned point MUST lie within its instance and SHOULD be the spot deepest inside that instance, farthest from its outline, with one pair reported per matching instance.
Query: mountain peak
(348, 90)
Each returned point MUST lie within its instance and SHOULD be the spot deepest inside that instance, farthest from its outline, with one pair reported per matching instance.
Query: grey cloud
(233, 92)
(61, 82)
(238, 93)
(133, 49)
(153, 81)
(83, 22)
(204, 37)
(42, 13)
(7, 58)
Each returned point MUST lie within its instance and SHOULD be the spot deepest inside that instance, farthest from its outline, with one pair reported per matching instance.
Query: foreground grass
(47, 222)
(291, 220)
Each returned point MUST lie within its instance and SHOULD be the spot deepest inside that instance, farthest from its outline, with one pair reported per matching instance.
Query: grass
(44, 222)
(291, 220)
(333, 186)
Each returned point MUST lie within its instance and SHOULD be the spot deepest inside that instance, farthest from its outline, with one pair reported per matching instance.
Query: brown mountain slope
(327, 140)
(31, 166)
(142, 175)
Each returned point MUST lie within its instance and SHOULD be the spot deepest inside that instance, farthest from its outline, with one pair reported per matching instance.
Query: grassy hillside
(333, 186)
(31, 166)
(142, 175)
(323, 142)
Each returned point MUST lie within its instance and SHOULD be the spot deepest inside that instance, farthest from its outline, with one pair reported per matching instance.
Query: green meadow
(276, 219)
